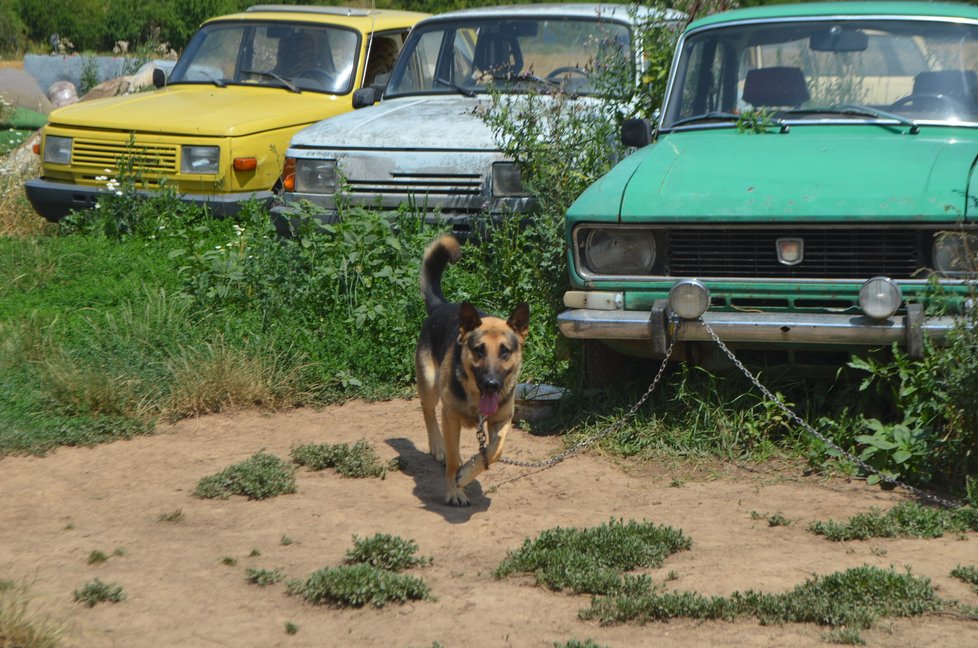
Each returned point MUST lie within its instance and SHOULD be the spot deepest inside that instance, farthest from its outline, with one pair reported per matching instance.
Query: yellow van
(216, 130)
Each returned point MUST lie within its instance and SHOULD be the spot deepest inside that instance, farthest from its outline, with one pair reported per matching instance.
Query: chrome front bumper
(759, 328)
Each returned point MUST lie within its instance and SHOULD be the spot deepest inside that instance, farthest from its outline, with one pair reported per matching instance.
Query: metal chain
(580, 445)
(811, 430)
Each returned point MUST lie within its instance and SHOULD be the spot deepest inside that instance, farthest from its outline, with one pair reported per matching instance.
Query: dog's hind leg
(475, 466)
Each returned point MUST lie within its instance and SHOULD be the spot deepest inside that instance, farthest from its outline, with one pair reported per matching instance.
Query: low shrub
(359, 585)
(259, 477)
(385, 552)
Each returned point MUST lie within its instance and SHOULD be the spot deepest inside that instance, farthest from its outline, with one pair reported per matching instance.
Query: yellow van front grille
(138, 157)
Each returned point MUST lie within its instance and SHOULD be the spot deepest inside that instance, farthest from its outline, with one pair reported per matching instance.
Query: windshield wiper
(710, 116)
(858, 109)
(454, 86)
(281, 79)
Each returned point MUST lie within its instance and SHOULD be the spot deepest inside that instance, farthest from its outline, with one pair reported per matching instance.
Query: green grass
(263, 577)
(20, 627)
(385, 551)
(261, 476)
(905, 520)
(855, 599)
(357, 460)
(592, 560)
(360, 585)
(97, 592)
(967, 574)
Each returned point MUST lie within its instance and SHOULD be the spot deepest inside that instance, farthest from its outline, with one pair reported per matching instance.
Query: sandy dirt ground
(56, 510)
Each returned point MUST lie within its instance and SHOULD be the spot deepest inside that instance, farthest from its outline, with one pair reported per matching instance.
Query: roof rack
(332, 11)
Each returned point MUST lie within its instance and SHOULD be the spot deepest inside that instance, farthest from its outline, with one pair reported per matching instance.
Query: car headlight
(955, 253)
(315, 176)
(200, 159)
(57, 150)
(619, 252)
(506, 180)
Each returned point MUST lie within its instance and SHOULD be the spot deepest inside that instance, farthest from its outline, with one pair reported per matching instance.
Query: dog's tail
(442, 251)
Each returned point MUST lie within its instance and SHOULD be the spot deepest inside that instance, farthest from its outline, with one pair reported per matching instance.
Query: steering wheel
(322, 76)
(567, 69)
(929, 97)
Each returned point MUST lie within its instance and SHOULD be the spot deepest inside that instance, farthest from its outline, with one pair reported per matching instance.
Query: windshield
(513, 55)
(296, 57)
(841, 69)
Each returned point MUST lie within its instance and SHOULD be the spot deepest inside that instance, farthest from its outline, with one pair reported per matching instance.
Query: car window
(512, 54)
(915, 68)
(298, 56)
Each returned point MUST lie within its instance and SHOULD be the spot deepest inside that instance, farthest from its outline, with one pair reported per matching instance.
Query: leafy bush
(263, 577)
(854, 598)
(967, 574)
(259, 477)
(591, 560)
(359, 585)
(905, 520)
(358, 460)
(98, 592)
(385, 552)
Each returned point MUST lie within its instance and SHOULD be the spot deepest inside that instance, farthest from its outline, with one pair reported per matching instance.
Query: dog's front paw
(456, 497)
(438, 454)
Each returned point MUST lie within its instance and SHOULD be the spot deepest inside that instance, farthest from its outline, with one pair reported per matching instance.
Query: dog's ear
(468, 319)
(519, 320)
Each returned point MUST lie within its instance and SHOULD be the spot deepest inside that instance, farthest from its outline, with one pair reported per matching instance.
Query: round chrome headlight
(879, 298)
(619, 252)
(689, 299)
(955, 253)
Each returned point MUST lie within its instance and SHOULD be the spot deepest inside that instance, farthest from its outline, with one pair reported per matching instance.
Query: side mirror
(636, 132)
(365, 97)
(159, 78)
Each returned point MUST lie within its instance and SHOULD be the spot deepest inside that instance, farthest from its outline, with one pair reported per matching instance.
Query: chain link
(584, 443)
(821, 437)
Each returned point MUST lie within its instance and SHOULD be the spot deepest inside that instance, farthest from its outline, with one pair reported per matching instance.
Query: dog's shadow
(429, 483)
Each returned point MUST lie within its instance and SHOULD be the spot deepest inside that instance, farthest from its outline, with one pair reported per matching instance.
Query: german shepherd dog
(470, 362)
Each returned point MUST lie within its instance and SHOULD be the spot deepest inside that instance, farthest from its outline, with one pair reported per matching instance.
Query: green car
(810, 184)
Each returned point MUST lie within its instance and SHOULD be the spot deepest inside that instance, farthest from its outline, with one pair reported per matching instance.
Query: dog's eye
(504, 352)
(479, 351)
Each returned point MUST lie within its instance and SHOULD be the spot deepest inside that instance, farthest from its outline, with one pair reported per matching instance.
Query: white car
(424, 142)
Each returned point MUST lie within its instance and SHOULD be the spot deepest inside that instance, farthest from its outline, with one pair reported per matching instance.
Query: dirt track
(55, 510)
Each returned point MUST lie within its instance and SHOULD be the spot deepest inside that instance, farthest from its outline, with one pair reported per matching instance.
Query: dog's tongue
(488, 404)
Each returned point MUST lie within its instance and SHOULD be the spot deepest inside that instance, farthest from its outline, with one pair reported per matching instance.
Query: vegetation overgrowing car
(216, 131)
(810, 184)
(425, 143)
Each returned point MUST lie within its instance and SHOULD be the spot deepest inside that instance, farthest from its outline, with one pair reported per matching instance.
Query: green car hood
(855, 173)
(202, 110)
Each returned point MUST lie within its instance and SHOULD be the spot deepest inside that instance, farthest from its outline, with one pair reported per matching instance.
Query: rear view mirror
(838, 39)
(365, 97)
(636, 132)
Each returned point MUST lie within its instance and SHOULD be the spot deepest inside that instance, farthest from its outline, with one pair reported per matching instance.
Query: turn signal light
(245, 164)
(36, 148)
(288, 174)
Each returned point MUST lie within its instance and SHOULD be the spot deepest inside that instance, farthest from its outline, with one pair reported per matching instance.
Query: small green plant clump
(98, 592)
(175, 515)
(968, 574)
(853, 599)
(386, 552)
(574, 643)
(263, 577)
(258, 477)
(591, 560)
(357, 460)
(291, 628)
(359, 585)
(372, 577)
(97, 557)
(905, 520)
(774, 519)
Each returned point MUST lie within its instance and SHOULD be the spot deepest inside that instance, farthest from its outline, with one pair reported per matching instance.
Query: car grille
(146, 158)
(828, 253)
(435, 185)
